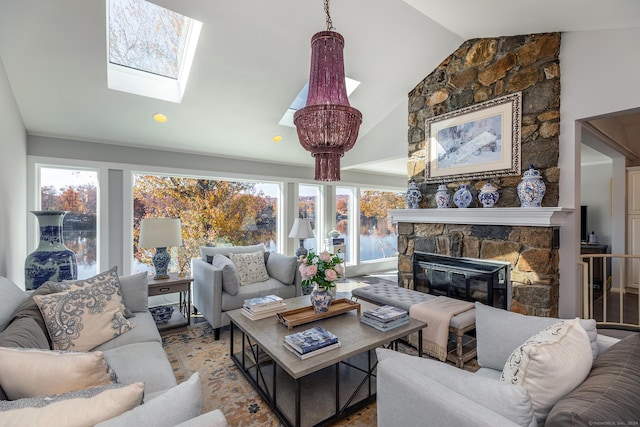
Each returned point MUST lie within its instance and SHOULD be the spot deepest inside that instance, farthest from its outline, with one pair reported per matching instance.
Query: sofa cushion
(82, 318)
(11, 297)
(230, 279)
(30, 309)
(31, 372)
(75, 409)
(258, 289)
(146, 330)
(282, 267)
(24, 332)
(250, 267)
(227, 250)
(609, 395)
(495, 342)
(170, 408)
(135, 291)
(550, 364)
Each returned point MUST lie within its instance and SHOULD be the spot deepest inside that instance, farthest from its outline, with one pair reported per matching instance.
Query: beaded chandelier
(327, 126)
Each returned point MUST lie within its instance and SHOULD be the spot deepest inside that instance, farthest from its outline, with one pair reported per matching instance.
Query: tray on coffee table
(300, 316)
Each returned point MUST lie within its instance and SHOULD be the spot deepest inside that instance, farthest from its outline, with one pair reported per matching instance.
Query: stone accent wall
(480, 70)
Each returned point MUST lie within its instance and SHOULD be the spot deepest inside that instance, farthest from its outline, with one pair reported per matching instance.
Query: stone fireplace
(526, 238)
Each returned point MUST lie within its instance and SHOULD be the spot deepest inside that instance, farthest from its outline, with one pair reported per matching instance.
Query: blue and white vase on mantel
(413, 196)
(51, 260)
(488, 195)
(462, 197)
(531, 189)
(442, 196)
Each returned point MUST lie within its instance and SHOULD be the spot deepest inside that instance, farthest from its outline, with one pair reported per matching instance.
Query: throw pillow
(11, 297)
(31, 372)
(82, 319)
(24, 332)
(550, 364)
(230, 280)
(135, 291)
(29, 309)
(76, 409)
(250, 266)
(105, 286)
(282, 267)
(178, 404)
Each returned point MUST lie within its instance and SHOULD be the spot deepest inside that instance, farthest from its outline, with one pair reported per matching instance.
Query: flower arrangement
(322, 269)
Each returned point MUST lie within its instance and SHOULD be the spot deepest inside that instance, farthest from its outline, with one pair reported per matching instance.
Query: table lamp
(160, 233)
(301, 230)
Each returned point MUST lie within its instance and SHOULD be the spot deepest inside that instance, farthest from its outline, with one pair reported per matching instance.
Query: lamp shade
(160, 232)
(301, 229)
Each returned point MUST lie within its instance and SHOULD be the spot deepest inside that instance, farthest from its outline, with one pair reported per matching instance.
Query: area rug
(193, 349)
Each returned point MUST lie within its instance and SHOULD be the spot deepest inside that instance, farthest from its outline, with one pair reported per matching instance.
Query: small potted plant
(320, 272)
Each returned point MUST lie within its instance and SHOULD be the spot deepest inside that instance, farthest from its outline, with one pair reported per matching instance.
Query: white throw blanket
(437, 313)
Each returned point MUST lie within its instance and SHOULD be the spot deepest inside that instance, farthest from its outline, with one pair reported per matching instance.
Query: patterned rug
(193, 349)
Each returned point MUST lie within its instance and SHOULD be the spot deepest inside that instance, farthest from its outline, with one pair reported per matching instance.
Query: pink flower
(325, 256)
(308, 271)
(330, 275)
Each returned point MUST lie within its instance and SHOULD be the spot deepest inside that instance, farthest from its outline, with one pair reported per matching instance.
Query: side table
(172, 285)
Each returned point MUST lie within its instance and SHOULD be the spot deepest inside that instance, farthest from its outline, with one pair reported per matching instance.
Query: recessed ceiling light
(277, 138)
(160, 118)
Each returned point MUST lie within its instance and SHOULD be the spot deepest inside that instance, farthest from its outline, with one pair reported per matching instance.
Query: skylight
(301, 100)
(150, 49)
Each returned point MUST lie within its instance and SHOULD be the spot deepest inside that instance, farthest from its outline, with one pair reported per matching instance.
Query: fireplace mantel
(533, 217)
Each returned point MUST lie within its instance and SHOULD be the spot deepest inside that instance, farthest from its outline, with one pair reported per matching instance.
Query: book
(384, 326)
(313, 353)
(385, 313)
(279, 306)
(311, 339)
(251, 351)
(265, 301)
(261, 315)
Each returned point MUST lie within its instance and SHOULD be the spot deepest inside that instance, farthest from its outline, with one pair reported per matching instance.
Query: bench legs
(216, 334)
(460, 357)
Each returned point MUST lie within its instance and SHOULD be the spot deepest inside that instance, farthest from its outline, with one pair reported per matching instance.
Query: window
(75, 191)
(213, 212)
(309, 198)
(344, 214)
(378, 237)
(151, 49)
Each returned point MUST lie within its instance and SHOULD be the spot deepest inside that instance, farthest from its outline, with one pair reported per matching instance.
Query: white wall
(598, 76)
(13, 182)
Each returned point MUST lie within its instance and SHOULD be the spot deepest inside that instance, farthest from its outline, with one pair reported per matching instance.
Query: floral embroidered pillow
(250, 267)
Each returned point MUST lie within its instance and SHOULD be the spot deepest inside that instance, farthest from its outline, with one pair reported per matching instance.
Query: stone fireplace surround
(527, 238)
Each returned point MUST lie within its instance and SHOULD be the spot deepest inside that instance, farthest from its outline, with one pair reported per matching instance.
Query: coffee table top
(354, 336)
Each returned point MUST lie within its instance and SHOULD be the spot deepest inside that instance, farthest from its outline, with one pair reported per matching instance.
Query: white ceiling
(251, 61)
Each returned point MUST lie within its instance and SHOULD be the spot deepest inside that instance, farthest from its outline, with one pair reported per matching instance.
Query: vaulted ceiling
(251, 61)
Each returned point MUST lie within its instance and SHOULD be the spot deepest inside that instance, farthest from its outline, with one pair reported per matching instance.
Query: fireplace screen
(463, 278)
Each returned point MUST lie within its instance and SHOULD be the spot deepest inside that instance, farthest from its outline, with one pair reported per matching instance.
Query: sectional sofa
(124, 381)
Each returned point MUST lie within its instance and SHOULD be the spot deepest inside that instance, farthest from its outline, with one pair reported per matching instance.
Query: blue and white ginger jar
(531, 189)
(462, 197)
(51, 260)
(321, 299)
(488, 195)
(442, 196)
(413, 196)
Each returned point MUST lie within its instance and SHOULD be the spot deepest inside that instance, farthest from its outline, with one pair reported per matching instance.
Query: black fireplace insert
(463, 278)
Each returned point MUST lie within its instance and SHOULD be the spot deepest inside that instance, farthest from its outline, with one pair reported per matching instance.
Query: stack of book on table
(262, 307)
(311, 342)
(385, 317)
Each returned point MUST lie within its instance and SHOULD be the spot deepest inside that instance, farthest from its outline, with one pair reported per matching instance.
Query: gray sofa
(413, 391)
(213, 295)
(135, 356)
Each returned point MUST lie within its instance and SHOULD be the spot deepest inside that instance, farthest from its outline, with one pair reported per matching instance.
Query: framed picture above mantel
(481, 141)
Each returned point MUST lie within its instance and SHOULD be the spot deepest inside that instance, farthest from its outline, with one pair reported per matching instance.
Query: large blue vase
(51, 260)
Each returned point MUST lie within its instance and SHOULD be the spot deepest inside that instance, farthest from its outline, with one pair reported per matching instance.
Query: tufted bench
(404, 298)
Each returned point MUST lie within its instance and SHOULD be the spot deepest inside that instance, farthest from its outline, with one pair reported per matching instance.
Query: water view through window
(75, 191)
(378, 236)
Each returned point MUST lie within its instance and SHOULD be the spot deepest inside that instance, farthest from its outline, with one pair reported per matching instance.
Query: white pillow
(550, 364)
(250, 267)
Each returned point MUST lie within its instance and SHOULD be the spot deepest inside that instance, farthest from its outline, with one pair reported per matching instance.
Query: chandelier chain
(330, 26)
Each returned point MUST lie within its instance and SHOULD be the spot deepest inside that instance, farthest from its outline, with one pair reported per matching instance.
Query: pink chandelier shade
(327, 126)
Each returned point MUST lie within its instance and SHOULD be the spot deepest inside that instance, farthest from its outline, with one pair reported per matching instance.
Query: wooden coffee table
(320, 389)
